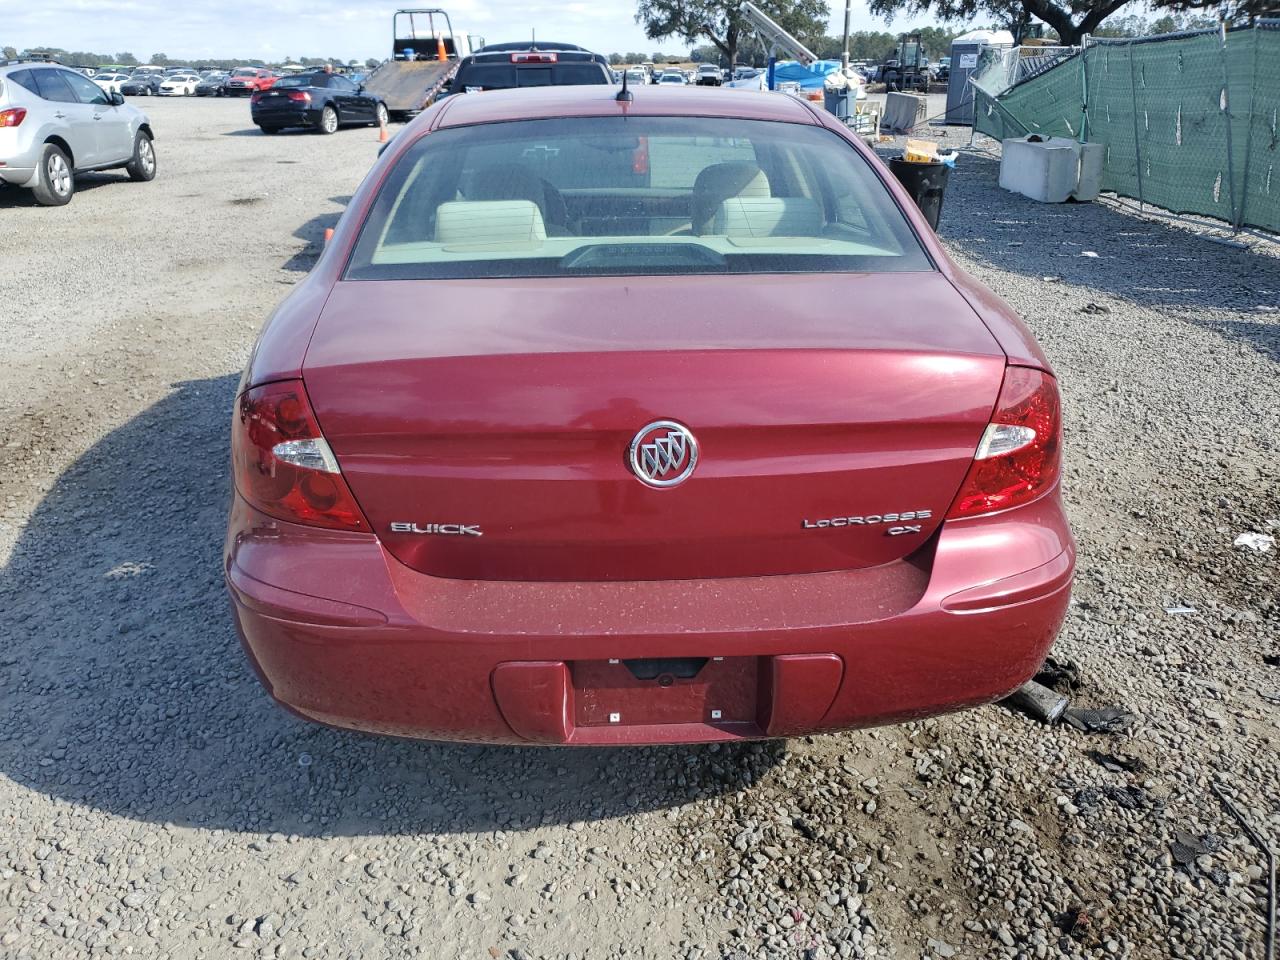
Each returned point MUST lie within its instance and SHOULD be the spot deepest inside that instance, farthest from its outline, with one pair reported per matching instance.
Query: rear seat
(505, 222)
(768, 217)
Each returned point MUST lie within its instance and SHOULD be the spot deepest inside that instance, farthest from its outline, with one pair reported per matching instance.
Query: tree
(373, 63)
(10, 53)
(1071, 19)
(126, 59)
(615, 59)
(159, 59)
(721, 21)
(1235, 11)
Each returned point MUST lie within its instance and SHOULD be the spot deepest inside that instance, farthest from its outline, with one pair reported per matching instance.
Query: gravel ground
(154, 803)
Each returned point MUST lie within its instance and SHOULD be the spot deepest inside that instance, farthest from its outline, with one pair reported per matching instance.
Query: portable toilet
(965, 52)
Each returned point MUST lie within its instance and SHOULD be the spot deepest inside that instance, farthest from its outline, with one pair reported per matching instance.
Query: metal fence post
(1225, 107)
(1137, 143)
(1248, 130)
(1084, 88)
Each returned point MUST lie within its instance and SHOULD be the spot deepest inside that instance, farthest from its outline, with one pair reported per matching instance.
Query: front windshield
(632, 196)
(245, 72)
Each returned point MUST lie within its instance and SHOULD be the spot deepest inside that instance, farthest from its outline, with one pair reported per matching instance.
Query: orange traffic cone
(383, 136)
(440, 52)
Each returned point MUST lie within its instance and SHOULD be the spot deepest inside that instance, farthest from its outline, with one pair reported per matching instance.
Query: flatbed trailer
(411, 80)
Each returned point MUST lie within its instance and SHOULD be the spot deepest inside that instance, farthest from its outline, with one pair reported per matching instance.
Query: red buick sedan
(669, 420)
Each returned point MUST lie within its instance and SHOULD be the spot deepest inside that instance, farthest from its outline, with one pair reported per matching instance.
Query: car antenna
(624, 95)
(533, 39)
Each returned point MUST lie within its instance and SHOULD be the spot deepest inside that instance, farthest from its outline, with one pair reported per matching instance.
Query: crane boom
(774, 35)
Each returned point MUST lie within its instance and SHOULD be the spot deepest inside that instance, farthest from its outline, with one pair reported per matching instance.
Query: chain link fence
(1191, 122)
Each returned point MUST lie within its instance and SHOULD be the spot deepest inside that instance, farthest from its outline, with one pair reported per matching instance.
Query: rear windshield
(620, 196)
(504, 76)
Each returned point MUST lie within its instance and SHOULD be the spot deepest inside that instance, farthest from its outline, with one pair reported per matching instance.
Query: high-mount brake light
(282, 464)
(1020, 454)
(534, 57)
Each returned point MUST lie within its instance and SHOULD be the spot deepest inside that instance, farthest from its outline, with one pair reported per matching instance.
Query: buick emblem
(663, 454)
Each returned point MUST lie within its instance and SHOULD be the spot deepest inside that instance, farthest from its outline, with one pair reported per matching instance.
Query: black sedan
(211, 86)
(322, 101)
(143, 85)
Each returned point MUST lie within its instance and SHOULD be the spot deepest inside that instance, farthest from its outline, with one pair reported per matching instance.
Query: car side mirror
(117, 99)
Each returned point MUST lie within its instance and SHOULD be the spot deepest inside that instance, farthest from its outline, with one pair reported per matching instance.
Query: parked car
(244, 81)
(831, 502)
(180, 85)
(109, 82)
(502, 66)
(211, 85)
(56, 123)
(709, 75)
(142, 85)
(637, 75)
(321, 101)
(672, 78)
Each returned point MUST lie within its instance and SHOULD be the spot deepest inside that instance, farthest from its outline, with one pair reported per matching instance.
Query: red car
(609, 421)
(248, 80)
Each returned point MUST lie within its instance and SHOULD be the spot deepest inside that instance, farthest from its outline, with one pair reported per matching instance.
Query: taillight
(299, 96)
(1020, 455)
(282, 464)
(640, 157)
(13, 116)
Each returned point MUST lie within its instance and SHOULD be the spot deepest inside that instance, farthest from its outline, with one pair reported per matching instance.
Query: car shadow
(11, 196)
(1094, 247)
(123, 687)
(313, 232)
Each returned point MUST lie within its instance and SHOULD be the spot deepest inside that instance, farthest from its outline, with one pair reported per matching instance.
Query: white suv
(55, 123)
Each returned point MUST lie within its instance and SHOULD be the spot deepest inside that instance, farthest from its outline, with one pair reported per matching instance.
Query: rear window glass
(505, 76)
(302, 81)
(621, 196)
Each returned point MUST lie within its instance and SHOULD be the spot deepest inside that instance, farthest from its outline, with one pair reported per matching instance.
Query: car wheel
(143, 165)
(381, 116)
(328, 120)
(54, 182)
(269, 130)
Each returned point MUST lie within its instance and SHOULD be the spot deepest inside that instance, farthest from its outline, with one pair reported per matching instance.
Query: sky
(347, 29)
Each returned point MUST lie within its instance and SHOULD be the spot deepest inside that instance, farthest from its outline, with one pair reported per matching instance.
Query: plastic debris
(1257, 542)
(1092, 307)
(1088, 253)
(1101, 720)
(1179, 609)
(1117, 764)
(304, 760)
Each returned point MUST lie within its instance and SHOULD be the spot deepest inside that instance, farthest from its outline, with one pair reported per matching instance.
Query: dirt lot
(154, 803)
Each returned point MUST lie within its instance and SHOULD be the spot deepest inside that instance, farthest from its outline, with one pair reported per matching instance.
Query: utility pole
(844, 57)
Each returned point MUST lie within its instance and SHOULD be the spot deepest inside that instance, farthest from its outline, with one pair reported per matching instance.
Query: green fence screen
(1191, 123)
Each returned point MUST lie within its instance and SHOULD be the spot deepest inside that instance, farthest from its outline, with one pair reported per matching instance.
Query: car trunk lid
(485, 427)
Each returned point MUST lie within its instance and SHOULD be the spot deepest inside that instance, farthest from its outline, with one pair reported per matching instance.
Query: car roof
(594, 100)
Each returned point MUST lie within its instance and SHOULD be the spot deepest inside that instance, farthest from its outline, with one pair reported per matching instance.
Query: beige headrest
(768, 217)
(489, 221)
(720, 181)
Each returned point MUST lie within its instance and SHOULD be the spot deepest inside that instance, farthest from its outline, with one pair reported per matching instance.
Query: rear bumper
(286, 118)
(342, 633)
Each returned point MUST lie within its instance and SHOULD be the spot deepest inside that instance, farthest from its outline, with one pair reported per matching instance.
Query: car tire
(269, 130)
(328, 121)
(55, 185)
(381, 117)
(142, 168)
